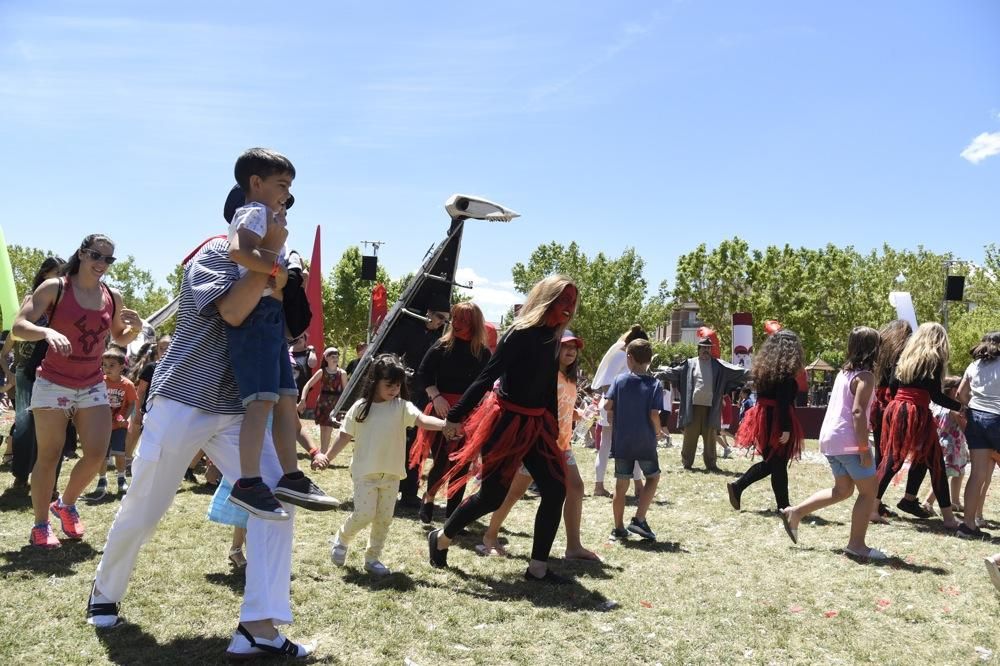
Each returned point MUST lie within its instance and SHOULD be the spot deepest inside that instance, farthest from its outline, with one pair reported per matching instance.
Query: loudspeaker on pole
(954, 288)
(369, 267)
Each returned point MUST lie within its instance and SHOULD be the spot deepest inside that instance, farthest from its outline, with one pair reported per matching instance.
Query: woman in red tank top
(70, 383)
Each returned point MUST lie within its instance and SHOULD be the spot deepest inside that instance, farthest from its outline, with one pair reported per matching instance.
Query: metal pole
(371, 305)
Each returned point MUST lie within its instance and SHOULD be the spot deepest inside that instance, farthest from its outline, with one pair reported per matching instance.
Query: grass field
(718, 587)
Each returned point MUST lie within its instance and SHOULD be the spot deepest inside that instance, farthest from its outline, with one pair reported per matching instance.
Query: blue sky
(649, 124)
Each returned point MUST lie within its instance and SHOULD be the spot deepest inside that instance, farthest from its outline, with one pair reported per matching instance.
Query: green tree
(346, 299)
(138, 288)
(24, 262)
(612, 291)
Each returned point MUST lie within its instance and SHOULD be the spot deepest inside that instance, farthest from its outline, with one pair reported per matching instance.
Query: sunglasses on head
(97, 256)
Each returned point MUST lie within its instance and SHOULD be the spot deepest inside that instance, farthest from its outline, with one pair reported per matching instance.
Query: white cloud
(494, 297)
(985, 145)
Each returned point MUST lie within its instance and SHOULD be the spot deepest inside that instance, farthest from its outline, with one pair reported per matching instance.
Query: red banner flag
(380, 306)
(314, 294)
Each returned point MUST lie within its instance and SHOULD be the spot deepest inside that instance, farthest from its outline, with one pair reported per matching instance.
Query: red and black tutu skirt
(503, 433)
(877, 411)
(910, 432)
(760, 431)
(428, 440)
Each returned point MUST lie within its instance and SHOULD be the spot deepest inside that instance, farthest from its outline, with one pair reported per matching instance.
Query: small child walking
(377, 423)
(951, 433)
(843, 439)
(633, 405)
(123, 399)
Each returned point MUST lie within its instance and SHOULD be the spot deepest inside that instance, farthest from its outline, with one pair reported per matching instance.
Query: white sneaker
(338, 553)
(245, 646)
(377, 568)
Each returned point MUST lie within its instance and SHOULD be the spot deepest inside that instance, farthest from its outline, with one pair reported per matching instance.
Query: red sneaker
(72, 526)
(43, 537)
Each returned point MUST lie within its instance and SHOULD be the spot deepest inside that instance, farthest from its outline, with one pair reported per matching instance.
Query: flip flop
(490, 551)
(793, 533)
(603, 493)
(881, 520)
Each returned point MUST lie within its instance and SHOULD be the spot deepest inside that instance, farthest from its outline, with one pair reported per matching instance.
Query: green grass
(718, 587)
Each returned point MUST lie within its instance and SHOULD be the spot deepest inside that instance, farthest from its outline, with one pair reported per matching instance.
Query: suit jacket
(726, 377)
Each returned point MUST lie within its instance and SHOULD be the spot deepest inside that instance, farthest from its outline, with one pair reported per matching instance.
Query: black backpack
(298, 315)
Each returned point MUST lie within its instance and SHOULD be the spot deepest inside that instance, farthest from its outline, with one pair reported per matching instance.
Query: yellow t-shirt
(380, 440)
(566, 404)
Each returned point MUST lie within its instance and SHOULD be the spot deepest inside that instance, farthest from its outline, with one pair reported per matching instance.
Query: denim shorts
(117, 445)
(48, 395)
(850, 465)
(982, 431)
(258, 352)
(624, 467)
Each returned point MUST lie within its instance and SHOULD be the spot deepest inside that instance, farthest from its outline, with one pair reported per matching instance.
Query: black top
(410, 339)
(352, 366)
(147, 376)
(451, 371)
(527, 366)
(930, 384)
(784, 394)
(300, 368)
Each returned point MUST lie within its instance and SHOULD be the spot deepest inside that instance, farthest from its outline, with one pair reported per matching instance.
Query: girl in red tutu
(515, 424)
(770, 428)
(447, 370)
(908, 427)
(892, 339)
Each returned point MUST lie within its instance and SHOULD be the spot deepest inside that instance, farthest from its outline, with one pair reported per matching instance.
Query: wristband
(275, 269)
(313, 451)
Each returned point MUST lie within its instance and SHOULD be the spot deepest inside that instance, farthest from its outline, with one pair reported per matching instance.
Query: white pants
(374, 502)
(173, 433)
(601, 463)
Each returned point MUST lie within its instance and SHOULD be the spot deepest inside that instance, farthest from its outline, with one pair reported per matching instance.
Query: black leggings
(493, 491)
(939, 481)
(441, 464)
(777, 468)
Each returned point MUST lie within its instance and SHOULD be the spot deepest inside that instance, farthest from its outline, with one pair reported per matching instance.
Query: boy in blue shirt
(633, 405)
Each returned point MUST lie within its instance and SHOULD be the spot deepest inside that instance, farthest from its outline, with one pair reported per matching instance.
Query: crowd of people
(446, 404)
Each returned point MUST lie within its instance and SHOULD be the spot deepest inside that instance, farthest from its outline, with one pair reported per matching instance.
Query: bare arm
(430, 422)
(36, 305)
(127, 325)
(654, 419)
(338, 445)
(245, 249)
(964, 390)
(240, 300)
(308, 387)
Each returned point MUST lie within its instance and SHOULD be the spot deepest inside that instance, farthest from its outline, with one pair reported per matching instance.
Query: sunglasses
(97, 256)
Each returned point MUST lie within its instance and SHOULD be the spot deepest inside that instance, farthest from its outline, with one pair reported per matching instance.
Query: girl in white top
(843, 439)
(980, 390)
(377, 423)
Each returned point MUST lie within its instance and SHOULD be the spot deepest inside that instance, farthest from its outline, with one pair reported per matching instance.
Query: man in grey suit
(701, 382)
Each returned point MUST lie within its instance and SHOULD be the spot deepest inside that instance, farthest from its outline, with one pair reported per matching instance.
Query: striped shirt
(196, 370)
